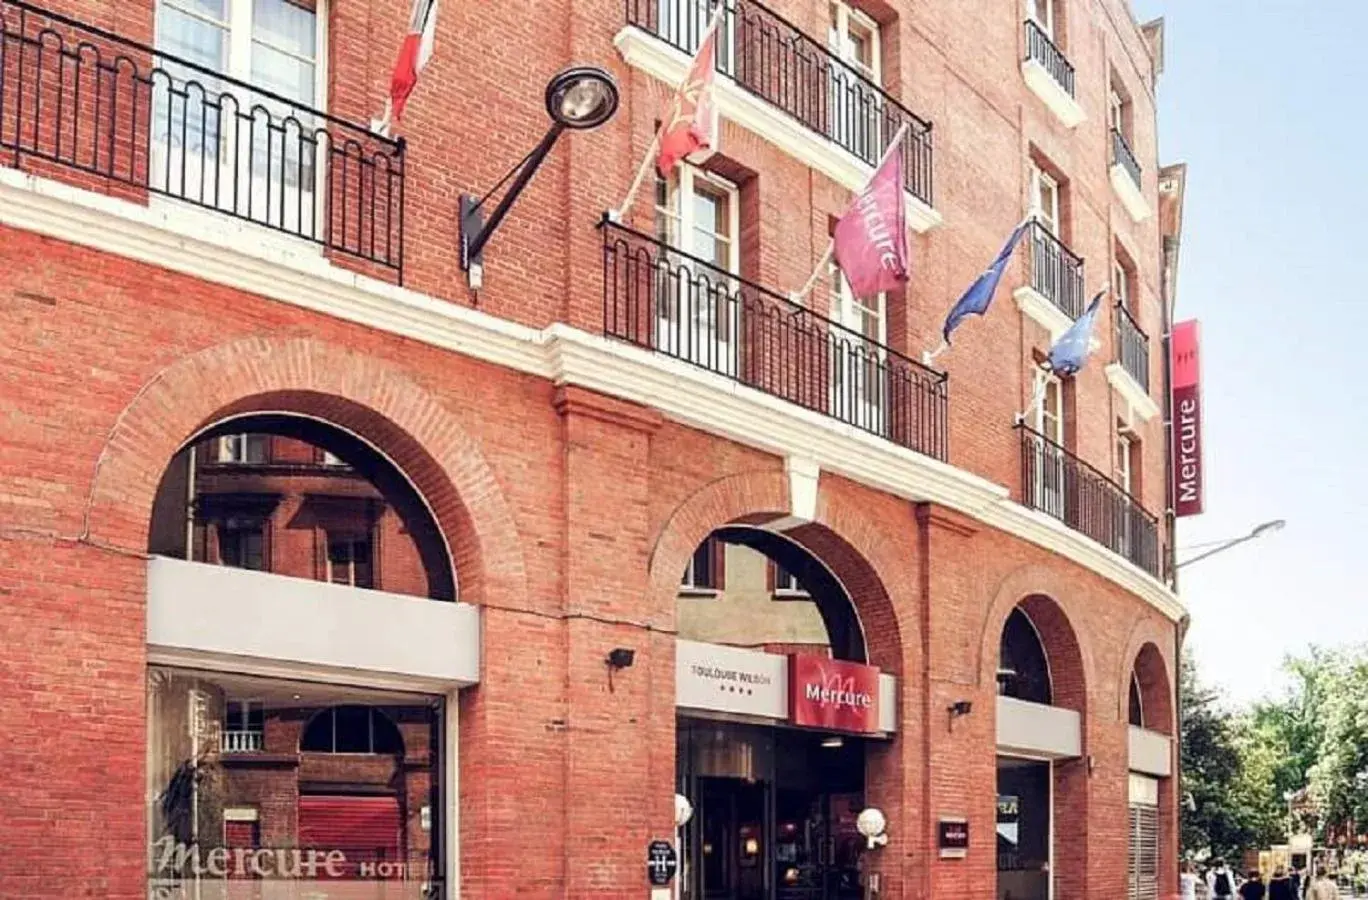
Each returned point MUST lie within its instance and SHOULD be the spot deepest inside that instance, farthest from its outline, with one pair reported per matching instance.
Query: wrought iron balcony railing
(1060, 484)
(118, 112)
(1132, 347)
(1123, 157)
(1041, 49)
(680, 305)
(1056, 273)
(777, 62)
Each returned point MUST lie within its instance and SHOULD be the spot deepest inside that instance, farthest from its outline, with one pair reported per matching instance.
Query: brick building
(328, 574)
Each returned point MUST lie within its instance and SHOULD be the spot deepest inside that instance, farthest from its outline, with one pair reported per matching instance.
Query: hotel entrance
(774, 812)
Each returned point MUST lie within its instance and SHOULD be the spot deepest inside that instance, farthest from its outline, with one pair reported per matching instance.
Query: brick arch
(1047, 599)
(1145, 656)
(358, 393)
(841, 526)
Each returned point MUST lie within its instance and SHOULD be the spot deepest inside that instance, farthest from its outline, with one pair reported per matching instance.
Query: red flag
(870, 241)
(690, 120)
(414, 54)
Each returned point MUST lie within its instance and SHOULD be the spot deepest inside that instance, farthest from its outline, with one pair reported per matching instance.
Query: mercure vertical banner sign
(1187, 420)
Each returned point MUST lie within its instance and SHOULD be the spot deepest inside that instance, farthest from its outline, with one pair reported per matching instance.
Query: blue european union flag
(977, 299)
(1070, 352)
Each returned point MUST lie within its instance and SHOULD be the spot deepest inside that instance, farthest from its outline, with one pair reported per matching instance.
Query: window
(856, 109)
(1116, 112)
(697, 308)
(1137, 707)
(351, 729)
(244, 448)
(349, 560)
(1045, 199)
(242, 543)
(249, 153)
(1122, 473)
(1048, 474)
(1049, 413)
(704, 569)
(858, 387)
(243, 726)
(1121, 282)
(785, 582)
(1042, 13)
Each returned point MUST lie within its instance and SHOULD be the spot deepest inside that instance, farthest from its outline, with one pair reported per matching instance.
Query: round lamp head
(871, 822)
(683, 810)
(582, 97)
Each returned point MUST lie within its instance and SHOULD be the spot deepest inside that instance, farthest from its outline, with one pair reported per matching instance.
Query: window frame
(226, 455)
(1053, 385)
(683, 183)
(258, 524)
(710, 549)
(1121, 284)
(838, 34)
(1046, 23)
(1041, 181)
(784, 584)
(350, 539)
(1123, 468)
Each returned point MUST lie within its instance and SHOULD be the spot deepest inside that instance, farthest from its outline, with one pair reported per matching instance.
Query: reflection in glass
(262, 789)
(1023, 829)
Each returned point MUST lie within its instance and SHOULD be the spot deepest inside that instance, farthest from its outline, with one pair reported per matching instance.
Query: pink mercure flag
(689, 121)
(870, 241)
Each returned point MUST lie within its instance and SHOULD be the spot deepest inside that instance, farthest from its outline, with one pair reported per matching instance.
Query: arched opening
(1041, 701)
(1151, 840)
(351, 729)
(297, 496)
(775, 804)
(1151, 695)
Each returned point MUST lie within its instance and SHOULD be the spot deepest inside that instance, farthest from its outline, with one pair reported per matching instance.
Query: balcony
(679, 305)
(1125, 178)
(1129, 374)
(1053, 295)
(787, 88)
(1059, 484)
(1050, 76)
(89, 107)
(243, 741)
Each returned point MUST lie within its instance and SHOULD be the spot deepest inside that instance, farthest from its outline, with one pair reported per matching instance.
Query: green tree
(1213, 823)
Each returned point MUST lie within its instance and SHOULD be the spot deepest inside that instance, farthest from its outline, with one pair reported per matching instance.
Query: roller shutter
(366, 829)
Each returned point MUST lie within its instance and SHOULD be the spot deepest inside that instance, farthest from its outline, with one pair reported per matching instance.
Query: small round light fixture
(582, 97)
(683, 810)
(872, 825)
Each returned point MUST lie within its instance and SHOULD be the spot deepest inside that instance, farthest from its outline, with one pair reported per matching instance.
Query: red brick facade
(569, 514)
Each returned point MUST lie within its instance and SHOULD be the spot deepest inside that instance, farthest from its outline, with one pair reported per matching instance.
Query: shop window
(351, 729)
(244, 449)
(1137, 706)
(1023, 668)
(704, 571)
(349, 560)
(345, 807)
(243, 726)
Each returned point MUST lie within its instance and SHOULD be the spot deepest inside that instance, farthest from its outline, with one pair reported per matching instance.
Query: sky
(1264, 100)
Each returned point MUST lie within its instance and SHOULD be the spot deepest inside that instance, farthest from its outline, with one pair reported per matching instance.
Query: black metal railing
(1056, 273)
(1040, 48)
(777, 62)
(1123, 157)
(121, 113)
(680, 305)
(1132, 347)
(1060, 484)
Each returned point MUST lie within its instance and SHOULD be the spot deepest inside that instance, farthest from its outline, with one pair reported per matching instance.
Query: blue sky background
(1264, 99)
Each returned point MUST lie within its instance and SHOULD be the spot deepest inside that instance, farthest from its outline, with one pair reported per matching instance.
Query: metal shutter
(366, 829)
(1142, 860)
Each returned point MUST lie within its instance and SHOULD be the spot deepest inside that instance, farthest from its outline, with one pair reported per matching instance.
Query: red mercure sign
(1187, 420)
(833, 694)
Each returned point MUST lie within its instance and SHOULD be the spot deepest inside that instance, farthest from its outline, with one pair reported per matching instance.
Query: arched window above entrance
(351, 729)
(748, 587)
(295, 496)
(1023, 668)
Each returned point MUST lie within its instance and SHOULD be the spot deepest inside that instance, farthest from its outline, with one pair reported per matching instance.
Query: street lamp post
(1257, 532)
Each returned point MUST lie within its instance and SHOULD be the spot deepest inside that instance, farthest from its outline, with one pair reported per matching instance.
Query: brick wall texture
(569, 514)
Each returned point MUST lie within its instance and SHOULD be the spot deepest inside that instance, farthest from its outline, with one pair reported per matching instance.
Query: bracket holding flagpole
(1037, 395)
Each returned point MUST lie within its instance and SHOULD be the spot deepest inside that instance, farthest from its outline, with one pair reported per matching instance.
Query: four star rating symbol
(733, 689)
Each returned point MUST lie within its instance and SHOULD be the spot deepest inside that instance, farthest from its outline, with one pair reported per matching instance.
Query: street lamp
(1257, 532)
(578, 98)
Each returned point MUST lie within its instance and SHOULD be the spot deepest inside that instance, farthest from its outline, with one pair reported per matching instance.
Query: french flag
(414, 54)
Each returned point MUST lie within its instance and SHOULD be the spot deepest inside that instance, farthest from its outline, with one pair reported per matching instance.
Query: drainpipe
(1170, 522)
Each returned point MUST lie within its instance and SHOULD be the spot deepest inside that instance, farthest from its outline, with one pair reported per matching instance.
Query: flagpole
(831, 247)
(1037, 395)
(618, 214)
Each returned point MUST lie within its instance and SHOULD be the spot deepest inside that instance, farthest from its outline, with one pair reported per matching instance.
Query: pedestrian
(1280, 886)
(1253, 887)
(1323, 885)
(1220, 881)
(1187, 882)
(1295, 876)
